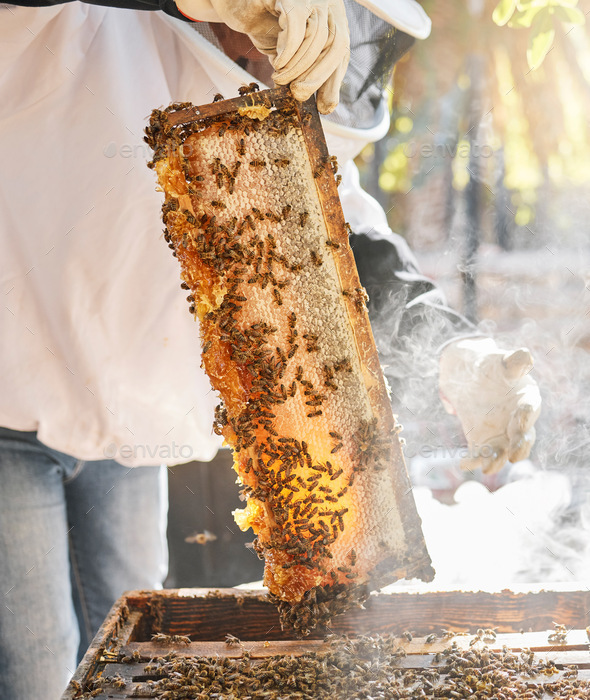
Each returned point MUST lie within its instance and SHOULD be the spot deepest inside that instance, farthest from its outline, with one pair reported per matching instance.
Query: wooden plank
(574, 652)
(105, 645)
(209, 616)
(277, 97)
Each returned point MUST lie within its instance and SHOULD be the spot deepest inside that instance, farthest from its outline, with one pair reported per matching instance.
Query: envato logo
(449, 452)
(411, 149)
(127, 150)
(165, 452)
(144, 152)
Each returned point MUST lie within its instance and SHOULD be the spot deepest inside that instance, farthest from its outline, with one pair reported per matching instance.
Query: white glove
(494, 397)
(307, 40)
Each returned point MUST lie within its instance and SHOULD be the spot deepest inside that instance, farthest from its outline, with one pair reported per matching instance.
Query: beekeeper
(100, 358)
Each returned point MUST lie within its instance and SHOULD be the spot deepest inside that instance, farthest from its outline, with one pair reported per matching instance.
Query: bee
(196, 538)
(241, 148)
(218, 97)
(258, 214)
(319, 170)
(430, 639)
(119, 681)
(316, 259)
(222, 130)
(282, 162)
(257, 163)
(217, 204)
(198, 178)
(76, 687)
(161, 638)
(335, 435)
(571, 671)
(303, 217)
(343, 366)
(408, 635)
(332, 244)
(338, 180)
(281, 354)
(248, 89)
(286, 210)
(313, 414)
(277, 296)
(184, 285)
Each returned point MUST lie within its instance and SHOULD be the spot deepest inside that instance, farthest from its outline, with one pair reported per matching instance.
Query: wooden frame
(522, 619)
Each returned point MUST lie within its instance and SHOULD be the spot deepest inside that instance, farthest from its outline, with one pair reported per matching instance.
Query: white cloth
(407, 15)
(99, 353)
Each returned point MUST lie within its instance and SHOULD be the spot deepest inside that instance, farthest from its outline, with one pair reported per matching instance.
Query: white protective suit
(99, 353)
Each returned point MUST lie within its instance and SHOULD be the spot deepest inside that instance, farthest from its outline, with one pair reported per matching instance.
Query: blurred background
(486, 173)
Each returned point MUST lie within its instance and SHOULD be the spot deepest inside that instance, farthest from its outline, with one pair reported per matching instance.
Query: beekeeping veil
(381, 31)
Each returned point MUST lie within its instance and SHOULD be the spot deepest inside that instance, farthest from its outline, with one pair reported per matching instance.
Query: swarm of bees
(349, 667)
(273, 309)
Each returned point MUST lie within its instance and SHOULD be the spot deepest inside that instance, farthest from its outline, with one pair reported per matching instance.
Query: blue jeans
(74, 536)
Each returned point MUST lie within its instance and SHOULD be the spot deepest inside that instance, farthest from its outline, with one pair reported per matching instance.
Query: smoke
(410, 325)
(515, 534)
(530, 523)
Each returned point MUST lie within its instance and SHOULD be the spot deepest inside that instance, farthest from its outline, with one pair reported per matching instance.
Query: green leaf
(540, 40)
(524, 18)
(527, 4)
(570, 15)
(503, 12)
(564, 3)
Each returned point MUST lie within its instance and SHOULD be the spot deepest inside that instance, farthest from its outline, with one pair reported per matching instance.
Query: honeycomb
(252, 214)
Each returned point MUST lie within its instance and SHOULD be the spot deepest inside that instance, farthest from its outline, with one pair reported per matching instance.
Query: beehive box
(150, 635)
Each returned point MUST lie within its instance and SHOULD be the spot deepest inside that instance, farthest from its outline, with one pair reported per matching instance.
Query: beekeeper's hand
(494, 397)
(307, 40)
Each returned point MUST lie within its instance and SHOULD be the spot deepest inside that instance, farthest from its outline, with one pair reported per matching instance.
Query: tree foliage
(516, 75)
